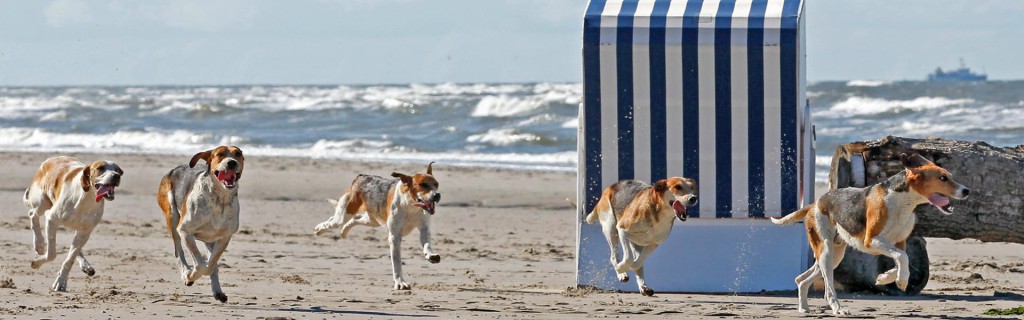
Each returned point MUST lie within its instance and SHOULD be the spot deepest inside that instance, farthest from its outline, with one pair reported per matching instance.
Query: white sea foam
(183, 142)
(867, 83)
(504, 106)
(859, 106)
(502, 137)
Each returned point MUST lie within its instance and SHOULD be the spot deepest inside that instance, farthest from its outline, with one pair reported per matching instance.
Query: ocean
(530, 126)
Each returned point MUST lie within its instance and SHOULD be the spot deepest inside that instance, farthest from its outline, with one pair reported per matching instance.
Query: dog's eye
(943, 178)
(678, 187)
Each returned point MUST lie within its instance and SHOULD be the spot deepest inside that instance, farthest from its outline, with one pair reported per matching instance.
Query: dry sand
(506, 240)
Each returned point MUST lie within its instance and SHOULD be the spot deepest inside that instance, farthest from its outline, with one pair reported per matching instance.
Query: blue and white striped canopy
(710, 90)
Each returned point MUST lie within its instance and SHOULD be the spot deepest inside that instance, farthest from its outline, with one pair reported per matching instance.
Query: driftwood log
(993, 212)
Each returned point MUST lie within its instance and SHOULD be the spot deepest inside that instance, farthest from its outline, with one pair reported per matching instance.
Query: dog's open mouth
(426, 205)
(227, 177)
(680, 210)
(104, 191)
(942, 202)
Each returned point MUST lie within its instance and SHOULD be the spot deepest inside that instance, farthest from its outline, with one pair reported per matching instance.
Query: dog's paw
(646, 291)
(401, 285)
(185, 278)
(59, 286)
(220, 296)
(434, 258)
(885, 278)
(841, 312)
(902, 284)
(802, 310)
(319, 230)
(89, 271)
(623, 277)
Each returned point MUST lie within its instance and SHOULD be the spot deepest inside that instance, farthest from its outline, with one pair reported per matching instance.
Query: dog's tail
(25, 198)
(793, 217)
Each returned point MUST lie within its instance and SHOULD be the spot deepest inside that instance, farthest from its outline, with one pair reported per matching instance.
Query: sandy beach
(506, 239)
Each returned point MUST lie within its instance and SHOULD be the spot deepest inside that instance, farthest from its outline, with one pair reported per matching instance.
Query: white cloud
(62, 13)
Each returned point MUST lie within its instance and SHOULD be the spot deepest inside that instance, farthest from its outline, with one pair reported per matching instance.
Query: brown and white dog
(401, 205)
(201, 202)
(70, 194)
(639, 217)
(876, 219)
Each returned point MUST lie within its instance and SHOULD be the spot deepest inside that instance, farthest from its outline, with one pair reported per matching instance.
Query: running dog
(639, 217)
(875, 220)
(201, 202)
(70, 194)
(401, 205)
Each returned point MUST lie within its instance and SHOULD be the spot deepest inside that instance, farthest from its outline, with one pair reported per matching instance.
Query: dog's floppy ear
(86, 178)
(430, 168)
(913, 161)
(205, 155)
(405, 179)
(661, 186)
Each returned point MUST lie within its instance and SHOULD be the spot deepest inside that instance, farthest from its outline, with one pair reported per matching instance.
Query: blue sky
(120, 42)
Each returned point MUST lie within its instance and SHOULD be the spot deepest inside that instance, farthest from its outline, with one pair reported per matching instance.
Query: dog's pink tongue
(226, 176)
(101, 192)
(938, 200)
(679, 207)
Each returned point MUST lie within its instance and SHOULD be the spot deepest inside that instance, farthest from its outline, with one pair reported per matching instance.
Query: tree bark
(993, 212)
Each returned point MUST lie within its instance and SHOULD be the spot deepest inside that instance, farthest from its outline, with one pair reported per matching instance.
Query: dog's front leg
(428, 253)
(394, 226)
(215, 274)
(189, 274)
(627, 255)
(638, 267)
(81, 237)
(51, 243)
(900, 273)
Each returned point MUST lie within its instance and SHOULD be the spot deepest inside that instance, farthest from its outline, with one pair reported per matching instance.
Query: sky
(204, 42)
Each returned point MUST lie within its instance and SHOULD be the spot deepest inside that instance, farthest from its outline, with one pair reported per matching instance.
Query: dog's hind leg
(611, 234)
(81, 237)
(51, 243)
(362, 219)
(37, 209)
(341, 216)
(803, 284)
(428, 252)
(825, 265)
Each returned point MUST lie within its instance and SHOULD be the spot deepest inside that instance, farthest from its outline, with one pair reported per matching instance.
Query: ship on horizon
(962, 74)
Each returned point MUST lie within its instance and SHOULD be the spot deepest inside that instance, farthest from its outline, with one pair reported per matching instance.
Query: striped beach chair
(710, 90)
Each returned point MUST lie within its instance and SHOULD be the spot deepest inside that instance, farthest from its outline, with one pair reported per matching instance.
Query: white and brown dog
(639, 217)
(401, 205)
(876, 219)
(201, 202)
(68, 193)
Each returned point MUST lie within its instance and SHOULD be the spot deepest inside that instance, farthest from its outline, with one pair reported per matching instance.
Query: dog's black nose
(967, 191)
(232, 164)
(435, 198)
(692, 201)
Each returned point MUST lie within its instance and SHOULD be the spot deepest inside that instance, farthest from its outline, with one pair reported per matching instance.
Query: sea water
(530, 126)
